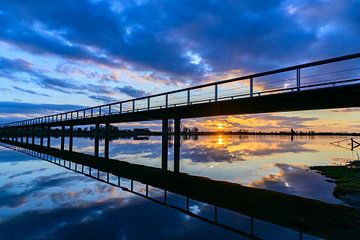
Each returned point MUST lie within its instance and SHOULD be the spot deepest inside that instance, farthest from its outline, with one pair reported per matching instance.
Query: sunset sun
(220, 126)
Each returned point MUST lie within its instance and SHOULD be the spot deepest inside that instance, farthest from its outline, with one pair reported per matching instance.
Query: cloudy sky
(63, 54)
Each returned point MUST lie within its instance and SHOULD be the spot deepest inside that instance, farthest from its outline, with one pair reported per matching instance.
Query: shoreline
(347, 182)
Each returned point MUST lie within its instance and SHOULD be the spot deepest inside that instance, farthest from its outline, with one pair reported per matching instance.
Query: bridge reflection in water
(221, 214)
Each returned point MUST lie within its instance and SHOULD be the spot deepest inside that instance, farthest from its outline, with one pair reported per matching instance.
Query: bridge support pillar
(177, 145)
(27, 135)
(107, 140)
(41, 136)
(22, 135)
(164, 148)
(96, 133)
(15, 135)
(71, 138)
(49, 137)
(62, 138)
(33, 135)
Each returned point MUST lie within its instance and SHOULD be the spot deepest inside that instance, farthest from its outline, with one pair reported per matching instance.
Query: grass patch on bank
(347, 179)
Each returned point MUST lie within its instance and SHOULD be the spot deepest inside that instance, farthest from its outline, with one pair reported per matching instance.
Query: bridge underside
(326, 98)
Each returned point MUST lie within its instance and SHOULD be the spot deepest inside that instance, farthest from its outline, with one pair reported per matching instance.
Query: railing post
(166, 100)
(188, 97)
(120, 108)
(216, 92)
(133, 105)
(298, 83)
(148, 103)
(251, 87)
(99, 111)
(109, 109)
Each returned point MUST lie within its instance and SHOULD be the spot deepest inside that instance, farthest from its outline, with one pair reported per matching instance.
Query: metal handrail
(70, 114)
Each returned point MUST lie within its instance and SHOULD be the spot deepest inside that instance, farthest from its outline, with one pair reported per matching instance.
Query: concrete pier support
(22, 135)
(33, 135)
(27, 135)
(42, 136)
(164, 148)
(107, 140)
(96, 133)
(63, 138)
(177, 145)
(49, 137)
(71, 138)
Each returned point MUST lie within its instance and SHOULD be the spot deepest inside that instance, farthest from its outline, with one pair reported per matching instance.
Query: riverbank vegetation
(347, 179)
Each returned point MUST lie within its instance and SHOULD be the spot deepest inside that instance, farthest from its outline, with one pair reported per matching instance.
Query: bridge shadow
(254, 213)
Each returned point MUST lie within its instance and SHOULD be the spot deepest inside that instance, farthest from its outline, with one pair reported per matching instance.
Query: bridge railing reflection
(246, 226)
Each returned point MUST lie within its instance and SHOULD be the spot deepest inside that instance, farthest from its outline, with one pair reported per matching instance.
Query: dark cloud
(183, 39)
(22, 107)
(31, 92)
(346, 110)
(102, 98)
(131, 91)
(19, 65)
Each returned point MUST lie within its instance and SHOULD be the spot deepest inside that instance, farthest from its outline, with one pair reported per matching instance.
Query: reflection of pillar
(97, 125)
(107, 136)
(176, 145)
(49, 137)
(41, 136)
(71, 138)
(164, 148)
(62, 137)
(16, 134)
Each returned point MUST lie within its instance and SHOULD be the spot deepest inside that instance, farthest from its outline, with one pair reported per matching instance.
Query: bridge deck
(330, 83)
(324, 98)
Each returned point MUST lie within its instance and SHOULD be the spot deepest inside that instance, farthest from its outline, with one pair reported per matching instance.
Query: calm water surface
(47, 201)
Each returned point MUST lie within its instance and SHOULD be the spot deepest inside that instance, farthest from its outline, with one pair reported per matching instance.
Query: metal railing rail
(249, 81)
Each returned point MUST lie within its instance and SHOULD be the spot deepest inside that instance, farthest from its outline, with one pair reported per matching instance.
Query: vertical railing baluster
(251, 87)
(188, 97)
(166, 100)
(298, 84)
(148, 103)
(216, 92)
(133, 105)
